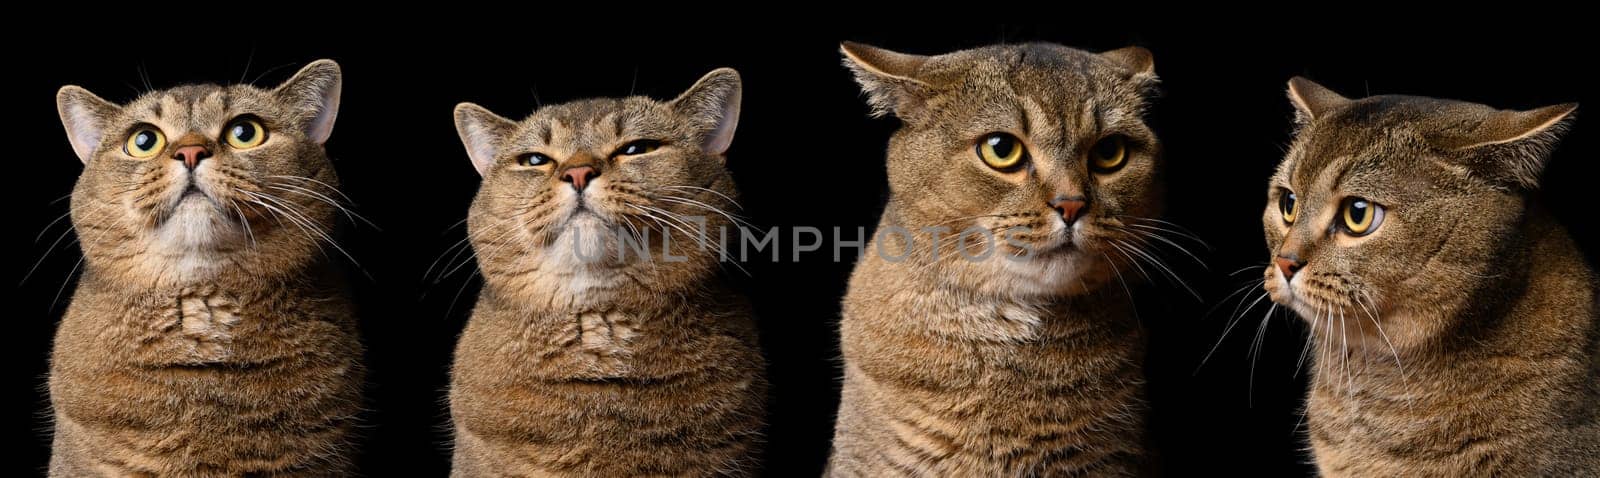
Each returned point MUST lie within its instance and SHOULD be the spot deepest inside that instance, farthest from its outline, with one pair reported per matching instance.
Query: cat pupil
(1358, 211)
(144, 140)
(1002, 146)
(243, 132)
(1108, 148)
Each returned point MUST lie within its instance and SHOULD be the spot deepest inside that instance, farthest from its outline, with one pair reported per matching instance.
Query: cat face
(570, 192)
(1041, 144)
(182, 184)
(1389, 211)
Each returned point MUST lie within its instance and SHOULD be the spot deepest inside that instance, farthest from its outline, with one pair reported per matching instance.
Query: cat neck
(244, 275)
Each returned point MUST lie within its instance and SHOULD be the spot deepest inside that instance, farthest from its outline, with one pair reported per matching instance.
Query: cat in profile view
(604, 342)
(209, 335)
(1456, 325)
(1015, 352)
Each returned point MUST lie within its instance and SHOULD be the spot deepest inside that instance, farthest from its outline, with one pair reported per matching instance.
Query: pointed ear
(85, 116)
(1141, 63)
(1312, 100)
(1512, 146)
(481, 131)
(314, 92)
(713, 105)
(1135, 59)
(888, 78)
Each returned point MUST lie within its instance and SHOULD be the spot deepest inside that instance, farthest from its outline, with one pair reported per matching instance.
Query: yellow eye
(1001, 151)
(1361, 216)
(1108, 154)
(145, 142)
(1289, 205)
(638, 147)
(245, 133)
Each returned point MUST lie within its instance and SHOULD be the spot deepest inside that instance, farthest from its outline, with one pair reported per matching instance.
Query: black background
(806, 154)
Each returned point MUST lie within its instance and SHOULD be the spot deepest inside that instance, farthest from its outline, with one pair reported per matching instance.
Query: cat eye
(1001, 151)
(145, 142)
(1289, 205)
(1109, 154)
(638, 147)
(245, 133)
(1360, 216)
(533, 159)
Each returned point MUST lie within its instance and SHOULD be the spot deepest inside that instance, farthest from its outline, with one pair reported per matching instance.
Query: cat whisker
(287, 211)
(724, 197)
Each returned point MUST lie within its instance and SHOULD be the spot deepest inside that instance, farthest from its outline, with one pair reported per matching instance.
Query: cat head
(185, 184)
(1042, 145)
(1389, 210)
(571, 191)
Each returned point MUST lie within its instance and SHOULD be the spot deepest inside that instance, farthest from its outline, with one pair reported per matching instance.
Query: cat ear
(1312, 100)
(1136, 59)
(480, 131)
(1512, 146)
(84, 115)
(1139, 61)
(888, 78)
(713, 104)
(314, 92)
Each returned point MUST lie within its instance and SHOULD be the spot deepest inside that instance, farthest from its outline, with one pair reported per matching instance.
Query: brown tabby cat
(209, 335)
(1028, 362)
(579, 360)
(1455, 321)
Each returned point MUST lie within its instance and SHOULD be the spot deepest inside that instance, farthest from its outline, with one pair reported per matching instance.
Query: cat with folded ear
(604, 342)
(996, 337)
(1455, 324)
(211, 333)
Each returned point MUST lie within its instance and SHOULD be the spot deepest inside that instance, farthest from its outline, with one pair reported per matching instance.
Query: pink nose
(191, 155)
(579, 176)
(1287, 266)
(1069, 208)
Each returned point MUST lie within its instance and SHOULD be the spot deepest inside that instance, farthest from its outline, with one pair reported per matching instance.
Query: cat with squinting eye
(210, 334)
(1456, 325)
(581, 361)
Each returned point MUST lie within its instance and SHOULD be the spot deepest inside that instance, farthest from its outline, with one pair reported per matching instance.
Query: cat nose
(1069, 207)
(1288, 265)
(191, 155)
(579, 176)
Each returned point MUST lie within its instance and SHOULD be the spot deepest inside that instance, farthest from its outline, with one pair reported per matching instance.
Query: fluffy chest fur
(943, 382)
(188, 380)
(674, 390)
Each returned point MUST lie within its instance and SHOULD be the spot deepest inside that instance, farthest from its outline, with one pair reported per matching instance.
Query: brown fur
(618, 367)
(208, 335)
(1459, 337)
(957, 367)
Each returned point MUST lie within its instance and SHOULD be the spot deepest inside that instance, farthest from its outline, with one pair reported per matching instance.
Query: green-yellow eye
(1289, 205)
(638, 147)
(145, 142)
(1001, 151)
(1108, 154)
(245, 133)
(1360, 216)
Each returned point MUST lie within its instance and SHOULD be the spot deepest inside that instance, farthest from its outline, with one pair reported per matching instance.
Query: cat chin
(1057, 273)
(197, 225)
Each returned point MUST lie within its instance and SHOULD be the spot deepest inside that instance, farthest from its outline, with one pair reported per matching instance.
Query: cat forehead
(1376, 140)
(1030, 68)
(185, 101)
(587, 118)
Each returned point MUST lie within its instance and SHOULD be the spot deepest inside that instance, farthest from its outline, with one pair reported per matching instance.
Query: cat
(209, 334)
(578, 359)
(1029, 362)
(1455, 321)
